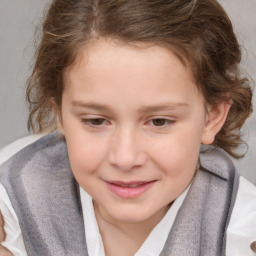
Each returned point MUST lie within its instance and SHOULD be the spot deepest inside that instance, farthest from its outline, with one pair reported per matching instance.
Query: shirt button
(253, 246)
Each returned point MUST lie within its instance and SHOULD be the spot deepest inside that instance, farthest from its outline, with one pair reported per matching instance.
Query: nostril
(126, 151)
(127, 161)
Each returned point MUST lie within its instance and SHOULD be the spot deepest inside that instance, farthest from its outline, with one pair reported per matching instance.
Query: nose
(126, 150)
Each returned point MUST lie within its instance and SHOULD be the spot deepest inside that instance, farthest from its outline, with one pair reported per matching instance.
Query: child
(135, 88)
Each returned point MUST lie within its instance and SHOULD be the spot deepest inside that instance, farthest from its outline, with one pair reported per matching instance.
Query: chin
(131, 214)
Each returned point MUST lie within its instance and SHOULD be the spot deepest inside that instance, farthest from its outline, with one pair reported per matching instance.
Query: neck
(132, 232)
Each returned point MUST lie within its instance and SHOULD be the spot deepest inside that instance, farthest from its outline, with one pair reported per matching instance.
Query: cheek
(85, 155)
(178, 154)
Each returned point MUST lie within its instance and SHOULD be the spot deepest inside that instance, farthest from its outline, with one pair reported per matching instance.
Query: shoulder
(48, 149)
(241, 231)
(14, 147)
(218, 162)
(37, 168)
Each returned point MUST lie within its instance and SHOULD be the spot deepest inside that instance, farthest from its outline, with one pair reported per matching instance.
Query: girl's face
(133, 120)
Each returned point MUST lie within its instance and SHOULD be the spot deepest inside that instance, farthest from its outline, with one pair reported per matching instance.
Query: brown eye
(94, 121)
(159, 122)
(97, 121)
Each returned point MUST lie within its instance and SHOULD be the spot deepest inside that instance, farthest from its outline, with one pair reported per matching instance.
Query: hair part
(198, 32)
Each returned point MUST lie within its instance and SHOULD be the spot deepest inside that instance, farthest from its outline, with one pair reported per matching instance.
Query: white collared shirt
(152, 246)
(241, 231)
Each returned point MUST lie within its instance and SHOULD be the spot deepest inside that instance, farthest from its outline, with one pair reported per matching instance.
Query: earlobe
(216, 117)
(59, 123)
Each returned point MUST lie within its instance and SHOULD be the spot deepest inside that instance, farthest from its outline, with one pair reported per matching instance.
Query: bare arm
(3, 250)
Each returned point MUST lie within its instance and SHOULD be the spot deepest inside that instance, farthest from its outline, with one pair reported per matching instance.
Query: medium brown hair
(199, 32)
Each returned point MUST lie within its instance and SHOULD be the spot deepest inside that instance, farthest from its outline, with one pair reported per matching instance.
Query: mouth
(129, 190)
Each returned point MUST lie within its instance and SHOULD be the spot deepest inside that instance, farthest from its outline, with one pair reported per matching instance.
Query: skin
(3, 250)
(133, 115)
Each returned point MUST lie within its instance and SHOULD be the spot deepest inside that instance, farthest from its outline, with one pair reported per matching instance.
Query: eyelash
(159, 120)
(165, 122)
(89, 122)
(98, 122)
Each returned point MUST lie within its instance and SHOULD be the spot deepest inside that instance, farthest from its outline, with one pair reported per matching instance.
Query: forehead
(107, 67)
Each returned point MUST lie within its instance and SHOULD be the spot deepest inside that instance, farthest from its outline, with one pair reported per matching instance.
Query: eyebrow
(169, 106)
(90, 105)
(163, 107)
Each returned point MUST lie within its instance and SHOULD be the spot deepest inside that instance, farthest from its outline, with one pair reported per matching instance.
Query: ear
(57, 113)
(216, 117)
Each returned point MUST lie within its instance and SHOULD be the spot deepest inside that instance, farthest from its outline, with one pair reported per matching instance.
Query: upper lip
(129, 183)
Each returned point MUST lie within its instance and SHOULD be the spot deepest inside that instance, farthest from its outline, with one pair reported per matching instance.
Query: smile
(129, 190)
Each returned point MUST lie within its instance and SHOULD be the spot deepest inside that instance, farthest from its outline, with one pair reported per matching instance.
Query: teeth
(134, 185)
(131, 185)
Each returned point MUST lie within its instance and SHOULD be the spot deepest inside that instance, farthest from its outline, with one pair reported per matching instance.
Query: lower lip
(129, 192)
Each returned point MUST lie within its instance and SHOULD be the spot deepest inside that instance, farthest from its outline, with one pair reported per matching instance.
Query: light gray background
(18, 20)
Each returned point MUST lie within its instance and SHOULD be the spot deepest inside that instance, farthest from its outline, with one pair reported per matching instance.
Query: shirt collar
(154, 243)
